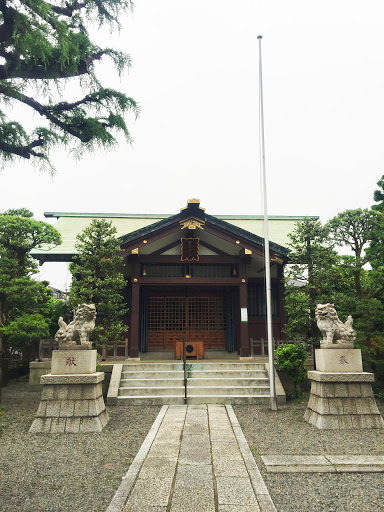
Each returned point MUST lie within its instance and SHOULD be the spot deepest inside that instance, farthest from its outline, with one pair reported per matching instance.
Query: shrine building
(191, 274)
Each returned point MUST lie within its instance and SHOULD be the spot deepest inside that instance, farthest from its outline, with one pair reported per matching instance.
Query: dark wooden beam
(185, 281)
(157, 235)
(166, 248)
(214, 249)
(150, 258)
(232, 239)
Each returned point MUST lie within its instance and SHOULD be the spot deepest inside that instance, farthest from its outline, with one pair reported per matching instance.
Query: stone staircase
(160, 383)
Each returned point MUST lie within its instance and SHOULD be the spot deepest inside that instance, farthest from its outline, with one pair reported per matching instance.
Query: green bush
(290, 359)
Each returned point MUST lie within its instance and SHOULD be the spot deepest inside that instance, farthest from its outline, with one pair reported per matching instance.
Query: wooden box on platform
(71, 401)
(192, 349)
(341, 399)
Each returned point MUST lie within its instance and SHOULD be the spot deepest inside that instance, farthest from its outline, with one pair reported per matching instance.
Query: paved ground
(194, 459)
(285, 432)
(71, 473)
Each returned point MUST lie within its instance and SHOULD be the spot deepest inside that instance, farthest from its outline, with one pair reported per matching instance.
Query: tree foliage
(24, 302)
(45, 46)
(291, 359)
(354, 282)
(309, 276)
(356, 230)
(98, 280)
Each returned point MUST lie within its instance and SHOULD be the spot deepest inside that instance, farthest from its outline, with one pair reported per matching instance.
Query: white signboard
(244, 314)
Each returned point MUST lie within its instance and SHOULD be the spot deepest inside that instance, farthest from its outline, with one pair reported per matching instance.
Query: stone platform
(71, 401)
(341, 399)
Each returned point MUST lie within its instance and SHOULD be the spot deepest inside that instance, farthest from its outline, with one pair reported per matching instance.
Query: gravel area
(81, 473)
(286, 432)
(64, 472)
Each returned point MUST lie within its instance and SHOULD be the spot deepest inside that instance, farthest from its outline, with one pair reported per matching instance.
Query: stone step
(209, 374)
(147, 383)
(178, 365)
(152, 375)
(238, 381)
(194, 390)
(193, 382)
(153, 391)
(227, 390)
(194, 399)
(228, 374)
(160, 383)
(151, 400)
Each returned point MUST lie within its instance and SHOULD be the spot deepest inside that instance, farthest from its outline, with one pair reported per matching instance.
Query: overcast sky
(195, 75)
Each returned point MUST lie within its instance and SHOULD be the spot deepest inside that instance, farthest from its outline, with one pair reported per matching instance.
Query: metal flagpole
(272, 386)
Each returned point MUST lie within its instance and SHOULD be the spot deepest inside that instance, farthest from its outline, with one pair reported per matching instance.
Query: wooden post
(244, 336)
(243, 294)
(282, 314)
(135, 313)
(135, 321)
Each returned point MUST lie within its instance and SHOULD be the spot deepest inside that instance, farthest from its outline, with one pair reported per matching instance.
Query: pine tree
(97, 279)
(24, 302)
(44, 47)
(311, 276)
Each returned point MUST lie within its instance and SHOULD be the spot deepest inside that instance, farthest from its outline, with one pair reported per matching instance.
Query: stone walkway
(194, 459)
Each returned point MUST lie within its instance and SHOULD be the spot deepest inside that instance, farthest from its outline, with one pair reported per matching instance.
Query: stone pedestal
(36, 370)
(71, 402)
(341, 399)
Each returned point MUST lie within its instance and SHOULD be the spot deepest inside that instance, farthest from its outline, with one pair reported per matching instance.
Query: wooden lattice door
(199, 318)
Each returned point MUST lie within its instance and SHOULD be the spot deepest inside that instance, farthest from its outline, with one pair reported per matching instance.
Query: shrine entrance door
(200, 318)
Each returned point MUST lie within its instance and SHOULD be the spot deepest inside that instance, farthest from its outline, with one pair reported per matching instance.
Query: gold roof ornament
(276, 259)
(192, 223)
(192, 202)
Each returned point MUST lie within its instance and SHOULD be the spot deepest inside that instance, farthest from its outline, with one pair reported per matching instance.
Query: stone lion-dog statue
(333, 329)
(77, 332)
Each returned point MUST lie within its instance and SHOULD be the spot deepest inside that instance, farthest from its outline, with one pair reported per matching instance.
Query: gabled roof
(132, 228)
(194, 211)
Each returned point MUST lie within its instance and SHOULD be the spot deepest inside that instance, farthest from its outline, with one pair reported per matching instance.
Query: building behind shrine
(191, 274)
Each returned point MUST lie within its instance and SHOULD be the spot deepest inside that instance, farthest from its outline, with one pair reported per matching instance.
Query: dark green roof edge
(247, 235)
(227, 226)
(166, 215)
(147, 230)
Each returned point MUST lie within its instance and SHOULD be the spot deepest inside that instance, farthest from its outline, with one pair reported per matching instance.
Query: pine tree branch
(23, 151)
(47, 72)
(6, 28)
(48, 112)
(69, 8)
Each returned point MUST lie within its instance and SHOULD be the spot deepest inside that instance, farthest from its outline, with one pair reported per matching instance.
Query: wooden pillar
(243, 295)
(135, 313)
(282, 314)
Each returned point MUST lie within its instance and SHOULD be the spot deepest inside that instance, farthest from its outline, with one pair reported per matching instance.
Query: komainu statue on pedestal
(335, 332)
(77, 332)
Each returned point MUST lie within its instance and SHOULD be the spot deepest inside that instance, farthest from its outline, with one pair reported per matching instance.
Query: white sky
(195, 75)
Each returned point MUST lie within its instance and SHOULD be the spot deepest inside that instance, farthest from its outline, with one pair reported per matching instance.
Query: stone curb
(121, 495)
(79, 378)
(262, 494)
(341, 376)
(114, 384)
(324, 463)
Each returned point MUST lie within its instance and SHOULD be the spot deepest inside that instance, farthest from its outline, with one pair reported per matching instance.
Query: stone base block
(36, 370)
(334, 404)
(72, 404)
(73, 362)
(338, 360)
